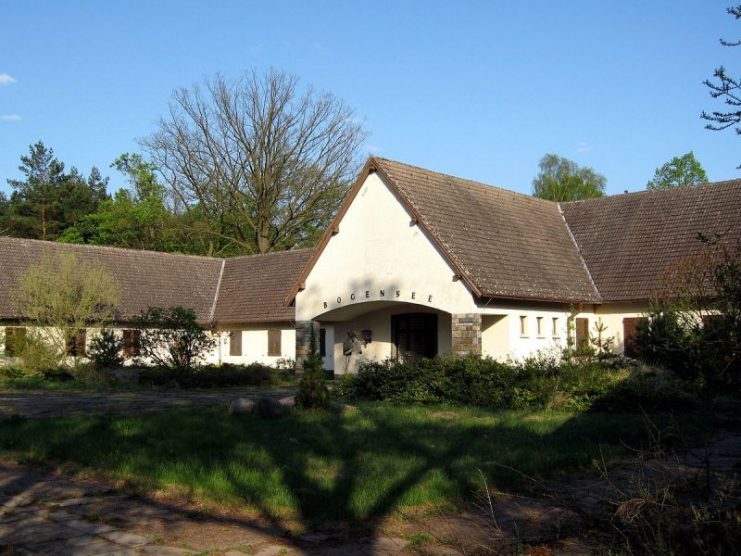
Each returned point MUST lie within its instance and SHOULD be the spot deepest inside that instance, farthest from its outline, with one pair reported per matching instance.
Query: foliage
(537, 382)
(139, 217)
(316, 467)
(209, 376)
(694, 327)
(62, 295)
(265, 164)
(38, 353)
(105, 350)
(680, 171)
(172, 338)
(49, 199)
(561, 179)
(312, 389)
(728, 89)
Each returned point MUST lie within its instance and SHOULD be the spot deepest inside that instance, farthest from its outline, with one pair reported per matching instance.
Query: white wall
(378, 250)
(381, 347)
(254, 345)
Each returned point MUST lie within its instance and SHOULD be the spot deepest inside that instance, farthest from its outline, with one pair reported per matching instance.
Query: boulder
(288, 401)
(342, 408)
(241, 406)
(268, 408)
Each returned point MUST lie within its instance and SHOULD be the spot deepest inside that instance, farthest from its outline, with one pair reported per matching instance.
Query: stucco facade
(379, 263)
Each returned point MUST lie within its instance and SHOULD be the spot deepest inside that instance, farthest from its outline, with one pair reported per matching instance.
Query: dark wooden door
(414, 335)
(581, 329)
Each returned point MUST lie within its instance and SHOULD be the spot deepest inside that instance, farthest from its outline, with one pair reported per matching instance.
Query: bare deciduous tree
(267, 163)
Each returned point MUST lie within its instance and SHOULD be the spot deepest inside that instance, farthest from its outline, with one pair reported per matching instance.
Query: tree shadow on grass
(323, 470)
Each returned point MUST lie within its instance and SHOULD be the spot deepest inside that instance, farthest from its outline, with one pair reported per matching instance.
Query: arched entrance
(379, 330)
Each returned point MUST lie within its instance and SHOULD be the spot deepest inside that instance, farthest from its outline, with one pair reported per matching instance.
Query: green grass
(320, 467)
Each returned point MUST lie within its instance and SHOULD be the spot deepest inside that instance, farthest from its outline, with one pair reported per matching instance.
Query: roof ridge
(271, 253)
(217, 291)
(579, 253)
(475, 183)
(107, 248)
(667, 191)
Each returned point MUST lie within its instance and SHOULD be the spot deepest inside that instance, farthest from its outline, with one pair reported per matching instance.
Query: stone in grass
(288, 401)
(241, 406)
(342, 408)
(268, 408)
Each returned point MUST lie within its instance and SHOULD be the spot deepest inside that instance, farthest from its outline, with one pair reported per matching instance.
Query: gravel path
(44, 403)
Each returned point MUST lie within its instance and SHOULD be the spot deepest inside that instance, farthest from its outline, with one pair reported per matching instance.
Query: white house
(418, 263)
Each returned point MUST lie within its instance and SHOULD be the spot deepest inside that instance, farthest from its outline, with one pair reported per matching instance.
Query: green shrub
(173, 338)
(105, 350)
(38, 354)
(312, 389)
(209, 376)
(536, 382)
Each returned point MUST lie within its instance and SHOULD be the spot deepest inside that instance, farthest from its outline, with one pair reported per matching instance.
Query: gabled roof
(631, 241)
(502, 244)
(253, 288)
(243, 289)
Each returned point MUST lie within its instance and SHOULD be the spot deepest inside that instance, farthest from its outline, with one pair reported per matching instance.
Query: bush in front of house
(537, 382)
(312, 389)
(209, 376)
(173, 338)
(105, 350)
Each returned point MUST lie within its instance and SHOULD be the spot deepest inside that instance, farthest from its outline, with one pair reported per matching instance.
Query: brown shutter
(128, 344)
(136, 342)
(76, 344)
(630, 333)
(274, 348)
(14, 336)
(235, 343)
(581, 327)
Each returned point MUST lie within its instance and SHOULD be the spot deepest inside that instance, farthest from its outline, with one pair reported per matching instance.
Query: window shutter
(235, 343)
(128, 343)
(274, 347)
(630, 333)
(14, 336)
(76, 345)
(582, 333)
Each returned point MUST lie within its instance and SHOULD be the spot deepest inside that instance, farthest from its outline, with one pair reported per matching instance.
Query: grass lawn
(321, 467)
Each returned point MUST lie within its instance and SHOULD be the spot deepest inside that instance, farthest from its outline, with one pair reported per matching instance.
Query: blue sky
(476, 89)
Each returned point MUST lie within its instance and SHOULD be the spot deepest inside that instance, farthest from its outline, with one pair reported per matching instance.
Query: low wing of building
(418, 263)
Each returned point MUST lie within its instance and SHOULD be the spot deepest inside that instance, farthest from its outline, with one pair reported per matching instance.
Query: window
(555, 327)
(131, 342)
(523, 325)
(14, 336)
(235, 343)
(539, 326)
(323, 342)
(76, 344)
(274, 348)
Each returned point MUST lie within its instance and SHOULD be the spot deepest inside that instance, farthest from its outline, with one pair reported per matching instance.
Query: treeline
(56, 204)
(237, 166)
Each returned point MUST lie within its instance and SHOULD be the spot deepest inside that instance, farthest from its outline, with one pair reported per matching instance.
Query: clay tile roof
(631, 241)
(508, 244)
(245, 289)
(253, 288)
(146, 278)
